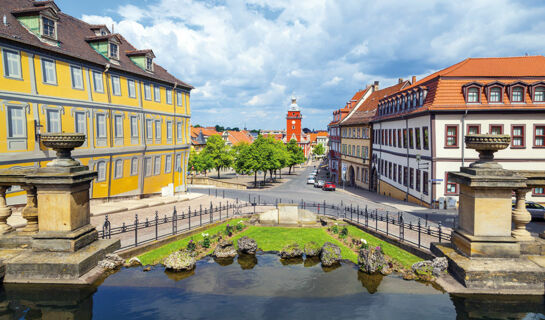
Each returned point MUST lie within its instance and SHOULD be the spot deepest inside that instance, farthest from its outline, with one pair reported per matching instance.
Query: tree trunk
(218, 169)
(280, 173)
(289, 172)
(255, 179)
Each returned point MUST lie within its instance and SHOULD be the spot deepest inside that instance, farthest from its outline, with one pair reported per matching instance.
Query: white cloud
(252, 56)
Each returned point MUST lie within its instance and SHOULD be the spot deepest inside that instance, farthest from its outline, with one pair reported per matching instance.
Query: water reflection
(46, 302)
(257, 288)
(291, 261)
(499, 307)
(247, 261)
(370, 281)
(311, 261)
(224, 261)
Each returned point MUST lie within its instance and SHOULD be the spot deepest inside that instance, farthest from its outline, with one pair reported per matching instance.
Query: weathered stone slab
(288, 214)
(269, 217)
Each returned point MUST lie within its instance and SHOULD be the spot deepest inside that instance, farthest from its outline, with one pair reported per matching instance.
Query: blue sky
(247, 58)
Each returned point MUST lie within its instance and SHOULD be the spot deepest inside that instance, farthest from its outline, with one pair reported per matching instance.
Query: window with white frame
(156, 93)
(118, 169)
(147, 166)
(97, 82)
(80, 122)
(149, 129)
(16, 122)
(178, 98)
(169, 130)
(179, 130)
(168, 163)
(473, 95)
(77, 77)
(157, 130)
(116, 86)
(149, 64)
(53, 120)
(132, 88)
(114, 51)
(178, 163)
(147, 91)
(48, 27)
(169, 96)
(101, 126)
(49, 72)
(12, 64)
(157, 165)
(134, 127)
(539, 94)
(517, 94)
(101, 170)
(118, 122)
(495, 94)
(134, 166)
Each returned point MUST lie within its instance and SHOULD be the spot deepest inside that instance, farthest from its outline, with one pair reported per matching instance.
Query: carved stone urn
(486, 145)
(63, 144)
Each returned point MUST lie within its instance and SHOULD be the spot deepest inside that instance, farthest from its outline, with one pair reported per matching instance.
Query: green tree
(295, 153)
(219, 152)
(318, 150)
(200, 162)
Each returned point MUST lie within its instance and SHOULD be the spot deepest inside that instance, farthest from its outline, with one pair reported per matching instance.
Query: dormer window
(114, 51)
(48, 27)
(149, 64)
(517, 94)
(495, 94)
(539, 94)
(473, 95)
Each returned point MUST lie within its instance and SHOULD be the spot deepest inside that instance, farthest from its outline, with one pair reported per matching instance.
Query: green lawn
(275, 238)
(155, 256)
(405, 258)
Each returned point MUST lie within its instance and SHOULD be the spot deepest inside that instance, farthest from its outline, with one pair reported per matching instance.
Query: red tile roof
(71, 33)
(445, 86)
(237, 137)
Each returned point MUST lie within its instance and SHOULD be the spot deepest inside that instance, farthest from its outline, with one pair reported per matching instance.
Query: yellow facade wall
(77, 100)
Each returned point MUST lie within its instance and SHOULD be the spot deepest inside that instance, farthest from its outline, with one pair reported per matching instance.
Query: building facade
(61, 74)
(419, 132)
(356, 133)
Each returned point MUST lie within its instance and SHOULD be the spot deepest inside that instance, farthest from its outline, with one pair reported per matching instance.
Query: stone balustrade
(18, 177)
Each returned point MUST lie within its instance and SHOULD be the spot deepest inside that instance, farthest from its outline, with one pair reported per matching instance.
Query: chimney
(414, 80)
(399, 80)
(375, 86)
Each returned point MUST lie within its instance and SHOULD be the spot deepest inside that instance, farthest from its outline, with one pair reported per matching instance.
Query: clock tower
(293, 122)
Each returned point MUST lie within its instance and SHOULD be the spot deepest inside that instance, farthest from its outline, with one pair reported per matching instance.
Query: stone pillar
(5, 212)
(521, 217)
(485, 202)
(30, 211)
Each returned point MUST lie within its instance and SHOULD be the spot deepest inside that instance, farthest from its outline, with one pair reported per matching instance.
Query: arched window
(101, 169)
(421, 97)
(409, 99)
(495, 94)
(415, 99)
(539, 94)
(517, 94)
(473, 95)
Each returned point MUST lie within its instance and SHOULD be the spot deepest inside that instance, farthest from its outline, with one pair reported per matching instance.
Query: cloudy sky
(247, 58)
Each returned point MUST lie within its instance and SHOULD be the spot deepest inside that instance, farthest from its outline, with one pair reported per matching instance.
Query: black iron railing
(391, 224)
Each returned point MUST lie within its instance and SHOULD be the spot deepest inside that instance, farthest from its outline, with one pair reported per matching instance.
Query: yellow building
(60, 74)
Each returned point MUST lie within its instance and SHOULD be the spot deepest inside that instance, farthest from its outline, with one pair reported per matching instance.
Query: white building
(419, 132)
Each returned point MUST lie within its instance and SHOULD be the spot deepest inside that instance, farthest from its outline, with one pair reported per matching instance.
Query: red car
(328, 186)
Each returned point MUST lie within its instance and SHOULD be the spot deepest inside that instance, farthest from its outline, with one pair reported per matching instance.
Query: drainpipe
(174, 140)
(463, 136)
(110, 129)
(408, 166)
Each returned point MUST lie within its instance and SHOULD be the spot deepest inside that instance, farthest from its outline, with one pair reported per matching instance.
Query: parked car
(319, 184)
(329, 186)
(311, 180)
(536, 210)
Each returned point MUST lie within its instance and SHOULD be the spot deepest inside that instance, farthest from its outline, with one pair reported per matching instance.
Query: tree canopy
(219, 152)
(319, 150)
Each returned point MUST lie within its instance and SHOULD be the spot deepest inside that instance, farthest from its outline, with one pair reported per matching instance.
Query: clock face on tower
(292, 121)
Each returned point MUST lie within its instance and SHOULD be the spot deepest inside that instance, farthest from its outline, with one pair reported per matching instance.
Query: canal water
(262, 287)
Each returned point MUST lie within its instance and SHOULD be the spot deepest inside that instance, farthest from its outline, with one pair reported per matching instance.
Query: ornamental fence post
(387, 223)
(136, 229)
(419, 231)
(174, 221)
(220, 212)
(439, 231)
(376, 220)
(401, 228)
(189, 216)
(156, 225)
